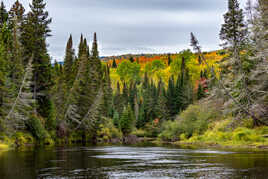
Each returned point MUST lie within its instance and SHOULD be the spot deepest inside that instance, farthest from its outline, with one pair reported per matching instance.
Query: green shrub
(139, 133)
(246, 135)
(108, 131)
(194, 120)
(23, 138)
(170, 131)
(36, 128)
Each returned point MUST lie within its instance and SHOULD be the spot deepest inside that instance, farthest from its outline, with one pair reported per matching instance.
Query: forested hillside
(192, 96)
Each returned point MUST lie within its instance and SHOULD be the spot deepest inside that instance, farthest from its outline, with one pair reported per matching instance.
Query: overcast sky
(134, 26)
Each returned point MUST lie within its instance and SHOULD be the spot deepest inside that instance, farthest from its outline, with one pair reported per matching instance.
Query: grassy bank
(205, 125)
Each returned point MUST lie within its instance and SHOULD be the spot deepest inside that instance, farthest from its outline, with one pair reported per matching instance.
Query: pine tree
(200, 92)
(234, 31)
(258, 75)
(127, 121)
(16, 14)
(35, 30)
(171, 97)
(114, 65)
(95, 68)
(69, 63)
(132, 94)
(3, 14)
(141, 117)
(235, 35)
(3, 70)
(125, 94)
(81, 47)
(131, 59)
(116, 120)
(108, 93)
(24, 105)
(161, 106)
(169, 59)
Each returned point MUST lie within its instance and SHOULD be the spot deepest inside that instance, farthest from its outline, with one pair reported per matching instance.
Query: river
(120, 162)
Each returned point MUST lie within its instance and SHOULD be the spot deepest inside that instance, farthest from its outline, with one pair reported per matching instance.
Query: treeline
(44, 99)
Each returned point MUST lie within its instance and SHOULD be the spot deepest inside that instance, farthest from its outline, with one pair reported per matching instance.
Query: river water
(122, 162)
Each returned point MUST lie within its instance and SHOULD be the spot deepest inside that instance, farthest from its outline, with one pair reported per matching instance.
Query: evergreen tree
(24, 106)
(116, 120)
(132, 94)
(233, 31)
(235, 35)
(118, 100)
(125, 94)
(171, 97)
(161, 106)
(33, 37)
(141, 117)
(81, 47)
(17, 10)
(169, 59)
(3, 14)
(16, 14)
(3, 71)
(69, 62)
(131, 59)
(127, 121)
(108, 93)
(114, 65)
(200, 92)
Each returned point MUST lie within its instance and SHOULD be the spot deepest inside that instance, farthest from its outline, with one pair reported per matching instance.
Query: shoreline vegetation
(207, 99)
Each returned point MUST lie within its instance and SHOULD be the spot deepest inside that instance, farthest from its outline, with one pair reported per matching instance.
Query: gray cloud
(134, 26)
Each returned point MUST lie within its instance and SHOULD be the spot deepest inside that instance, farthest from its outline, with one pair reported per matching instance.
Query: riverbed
(120, 162)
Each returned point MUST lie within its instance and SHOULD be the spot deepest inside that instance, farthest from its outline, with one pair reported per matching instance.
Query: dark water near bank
(132, 162)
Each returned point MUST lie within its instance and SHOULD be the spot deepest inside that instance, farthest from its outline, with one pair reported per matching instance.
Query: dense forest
(192, 96)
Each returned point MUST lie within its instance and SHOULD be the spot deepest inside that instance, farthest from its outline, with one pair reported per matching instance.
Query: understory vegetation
(218, 97)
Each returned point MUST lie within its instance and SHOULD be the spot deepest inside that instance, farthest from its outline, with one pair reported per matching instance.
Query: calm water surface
(132, 162)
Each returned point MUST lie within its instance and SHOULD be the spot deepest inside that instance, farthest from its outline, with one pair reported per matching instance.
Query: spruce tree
(161, 106)
(200, 92)
(171, 97)
(108, 93)
(127, 121)
(35, 30)
(24, 105)
(3, 14)
(131, 59)
(69, 63)
(81, 46)
(3, 70)
(114, 65)
(233, 31)
(169, 59)
(118, 100)
(235, 34)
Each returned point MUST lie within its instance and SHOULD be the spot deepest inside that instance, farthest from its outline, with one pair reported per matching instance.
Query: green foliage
(155, 66)
(194, 120)
(108, 131)
(127, 121)
(21, 139)
(127, 70)
(116, 120)
(170, 131)
(51, 119)
(69, 63)
(36, 128)
(200, 92)
(114, 65)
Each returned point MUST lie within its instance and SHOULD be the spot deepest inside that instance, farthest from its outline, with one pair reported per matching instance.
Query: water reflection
(132, 162)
